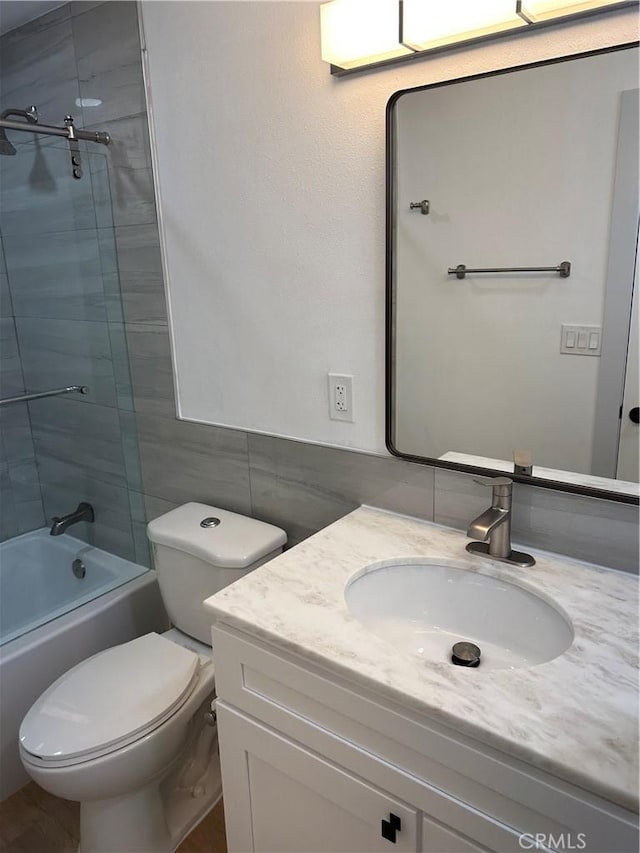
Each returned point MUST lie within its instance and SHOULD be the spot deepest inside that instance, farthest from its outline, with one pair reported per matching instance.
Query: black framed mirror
(512, 236)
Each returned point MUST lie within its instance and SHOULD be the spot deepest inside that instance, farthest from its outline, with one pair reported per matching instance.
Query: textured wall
(272, 181)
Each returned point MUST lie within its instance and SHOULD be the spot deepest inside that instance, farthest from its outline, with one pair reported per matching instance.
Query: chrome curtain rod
(23, 398)
(68, 131)
(564, 270)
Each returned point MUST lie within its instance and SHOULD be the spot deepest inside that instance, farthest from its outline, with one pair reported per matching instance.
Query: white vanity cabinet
(437, 838)
(293, 800)
(310, 763)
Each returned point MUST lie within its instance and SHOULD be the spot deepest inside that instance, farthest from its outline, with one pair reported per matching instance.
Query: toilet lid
(108, 698)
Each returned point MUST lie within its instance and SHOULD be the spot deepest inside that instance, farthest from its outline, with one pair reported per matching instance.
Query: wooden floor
(33, 821)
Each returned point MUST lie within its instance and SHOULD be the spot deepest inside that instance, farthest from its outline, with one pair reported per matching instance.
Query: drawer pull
(390, 827)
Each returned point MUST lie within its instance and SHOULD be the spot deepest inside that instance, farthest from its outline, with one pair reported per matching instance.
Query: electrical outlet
(340, 397)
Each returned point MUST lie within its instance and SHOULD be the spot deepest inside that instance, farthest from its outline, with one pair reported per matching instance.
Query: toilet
(130, 732)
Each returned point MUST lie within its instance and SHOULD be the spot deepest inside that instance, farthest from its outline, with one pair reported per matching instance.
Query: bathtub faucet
(59, 524)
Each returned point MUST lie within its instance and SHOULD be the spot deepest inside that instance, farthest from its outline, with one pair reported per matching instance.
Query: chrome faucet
(59, 524)
(494, 524)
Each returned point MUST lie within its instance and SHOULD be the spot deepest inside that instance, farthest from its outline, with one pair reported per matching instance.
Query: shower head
(30, 114)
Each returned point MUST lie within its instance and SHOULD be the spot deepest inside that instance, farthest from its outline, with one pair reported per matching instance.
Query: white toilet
(129, 732)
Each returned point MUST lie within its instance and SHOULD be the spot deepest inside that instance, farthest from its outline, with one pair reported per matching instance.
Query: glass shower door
(62, 324)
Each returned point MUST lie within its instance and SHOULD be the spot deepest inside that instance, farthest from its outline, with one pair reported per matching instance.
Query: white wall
(271, 175)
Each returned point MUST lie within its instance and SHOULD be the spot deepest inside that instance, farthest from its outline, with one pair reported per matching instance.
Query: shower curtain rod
(69, 131)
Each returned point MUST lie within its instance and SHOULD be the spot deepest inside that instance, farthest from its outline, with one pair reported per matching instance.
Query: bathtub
(50, 620)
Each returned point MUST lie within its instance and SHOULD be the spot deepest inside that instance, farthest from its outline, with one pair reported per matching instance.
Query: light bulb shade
(360, 32)
(432, 23)
(545, 10)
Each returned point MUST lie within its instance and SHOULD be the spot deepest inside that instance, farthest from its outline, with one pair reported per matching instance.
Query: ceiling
(14, 13)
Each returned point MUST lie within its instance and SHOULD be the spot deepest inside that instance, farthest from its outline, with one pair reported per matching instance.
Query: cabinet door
(437, 838)
(282, 798)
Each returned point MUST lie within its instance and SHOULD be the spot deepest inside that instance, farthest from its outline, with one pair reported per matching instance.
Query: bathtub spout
(59, 524)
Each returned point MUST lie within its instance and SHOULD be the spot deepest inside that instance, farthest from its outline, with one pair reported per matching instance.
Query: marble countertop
(575, 716)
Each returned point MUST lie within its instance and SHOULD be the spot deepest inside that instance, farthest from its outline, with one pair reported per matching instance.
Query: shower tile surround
(62, 313)
(301, 487)
(19, 511)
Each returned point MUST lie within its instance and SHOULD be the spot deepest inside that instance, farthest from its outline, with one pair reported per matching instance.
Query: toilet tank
(200, 549)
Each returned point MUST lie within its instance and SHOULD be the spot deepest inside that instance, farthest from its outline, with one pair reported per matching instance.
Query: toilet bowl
(114, 763)
(129, 732)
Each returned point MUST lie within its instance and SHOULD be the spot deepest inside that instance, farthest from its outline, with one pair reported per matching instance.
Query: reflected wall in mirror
(521, 169)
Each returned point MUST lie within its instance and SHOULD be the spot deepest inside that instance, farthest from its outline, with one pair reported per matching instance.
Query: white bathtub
(50, 620)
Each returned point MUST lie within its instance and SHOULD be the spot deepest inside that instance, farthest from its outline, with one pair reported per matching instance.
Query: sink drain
(465, 654)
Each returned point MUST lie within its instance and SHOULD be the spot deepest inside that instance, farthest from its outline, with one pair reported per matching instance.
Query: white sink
(425, 606)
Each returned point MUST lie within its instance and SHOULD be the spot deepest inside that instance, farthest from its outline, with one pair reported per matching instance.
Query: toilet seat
(108, 701)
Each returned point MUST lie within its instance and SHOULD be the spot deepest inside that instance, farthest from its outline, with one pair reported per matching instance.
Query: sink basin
(423, 607)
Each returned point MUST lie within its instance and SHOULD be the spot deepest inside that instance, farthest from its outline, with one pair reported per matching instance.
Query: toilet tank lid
(234, 542)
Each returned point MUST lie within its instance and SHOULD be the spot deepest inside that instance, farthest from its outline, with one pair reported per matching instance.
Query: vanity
(344, 725)
(346, 721)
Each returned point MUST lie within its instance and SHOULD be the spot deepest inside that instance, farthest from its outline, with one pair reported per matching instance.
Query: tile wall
(62, 315)
(298, 486)
(20, 499)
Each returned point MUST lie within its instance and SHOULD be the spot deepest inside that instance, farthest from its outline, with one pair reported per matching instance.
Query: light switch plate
(581, 340)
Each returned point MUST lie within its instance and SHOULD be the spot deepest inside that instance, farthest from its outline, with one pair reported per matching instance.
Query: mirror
(512, 236)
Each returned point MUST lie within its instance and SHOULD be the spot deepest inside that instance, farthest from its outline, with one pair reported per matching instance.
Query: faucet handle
(502, 489)
(493, 481)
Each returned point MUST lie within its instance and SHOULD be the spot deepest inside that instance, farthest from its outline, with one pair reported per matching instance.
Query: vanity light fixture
(533, 11)
(361, 32)
(358, 34)
(434, 24)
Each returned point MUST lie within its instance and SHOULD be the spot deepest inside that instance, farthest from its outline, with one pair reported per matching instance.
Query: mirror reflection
(513, 246)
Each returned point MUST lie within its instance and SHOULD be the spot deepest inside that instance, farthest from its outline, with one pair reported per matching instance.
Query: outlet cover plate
(340, 397)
